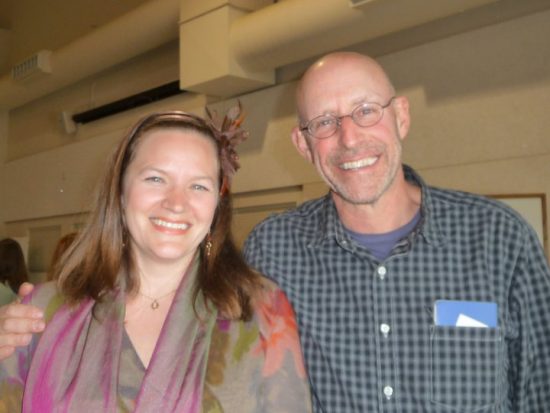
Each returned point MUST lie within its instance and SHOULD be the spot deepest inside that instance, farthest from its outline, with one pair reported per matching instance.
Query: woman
(155, 309)
(13, 270)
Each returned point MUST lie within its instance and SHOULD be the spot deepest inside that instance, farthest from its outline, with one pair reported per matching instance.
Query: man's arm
(18, 322)
(530, 315)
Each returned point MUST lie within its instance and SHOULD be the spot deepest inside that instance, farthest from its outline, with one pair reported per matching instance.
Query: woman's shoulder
(267, 285)
(267, 348)
(269, 297)
(274, 313)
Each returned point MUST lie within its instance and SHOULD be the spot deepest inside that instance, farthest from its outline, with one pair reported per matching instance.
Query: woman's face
(170, 194)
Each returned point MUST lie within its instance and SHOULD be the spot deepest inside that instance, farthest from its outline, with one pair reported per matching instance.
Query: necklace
(155, 301)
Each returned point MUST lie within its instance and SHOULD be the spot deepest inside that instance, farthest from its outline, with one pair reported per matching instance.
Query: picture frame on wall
(532, 207)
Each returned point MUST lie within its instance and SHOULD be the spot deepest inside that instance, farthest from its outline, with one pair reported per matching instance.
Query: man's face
(358, 163)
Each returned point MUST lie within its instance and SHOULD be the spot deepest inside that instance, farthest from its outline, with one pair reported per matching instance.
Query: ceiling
(28, 26)
(5, 13)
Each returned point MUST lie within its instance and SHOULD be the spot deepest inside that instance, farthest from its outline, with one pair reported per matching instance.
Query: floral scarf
(76, 362)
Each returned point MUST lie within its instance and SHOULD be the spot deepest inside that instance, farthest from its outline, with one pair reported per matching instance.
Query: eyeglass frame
(350, 115)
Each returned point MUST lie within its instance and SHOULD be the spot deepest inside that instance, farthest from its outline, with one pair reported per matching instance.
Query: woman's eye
(155, 179)
(199, 187)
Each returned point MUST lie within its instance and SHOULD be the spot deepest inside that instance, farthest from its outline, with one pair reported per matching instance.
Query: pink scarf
(76, 362)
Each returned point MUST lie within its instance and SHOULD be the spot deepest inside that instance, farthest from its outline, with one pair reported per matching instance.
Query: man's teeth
(358, 164)
(171, 225)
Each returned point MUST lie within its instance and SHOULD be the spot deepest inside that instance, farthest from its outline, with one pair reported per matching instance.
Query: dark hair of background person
(62, 245)
(101, 251)
(12, 264)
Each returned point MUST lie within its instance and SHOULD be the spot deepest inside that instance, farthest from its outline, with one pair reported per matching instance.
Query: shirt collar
(427, 227)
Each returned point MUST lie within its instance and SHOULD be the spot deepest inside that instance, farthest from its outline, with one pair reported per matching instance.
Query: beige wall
(479, 102)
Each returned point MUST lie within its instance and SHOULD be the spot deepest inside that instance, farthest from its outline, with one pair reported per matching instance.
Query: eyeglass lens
(364, 115)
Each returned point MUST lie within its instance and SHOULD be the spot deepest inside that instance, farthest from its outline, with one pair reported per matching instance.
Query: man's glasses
(365, 115)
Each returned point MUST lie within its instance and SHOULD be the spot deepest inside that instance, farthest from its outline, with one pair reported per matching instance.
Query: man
(366, 268)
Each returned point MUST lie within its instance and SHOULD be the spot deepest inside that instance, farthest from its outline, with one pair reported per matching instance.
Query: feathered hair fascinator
(229, 134)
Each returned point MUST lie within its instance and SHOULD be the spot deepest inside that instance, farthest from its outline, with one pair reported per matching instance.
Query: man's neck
(394, 209)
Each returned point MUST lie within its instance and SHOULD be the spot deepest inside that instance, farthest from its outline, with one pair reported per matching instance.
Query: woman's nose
(175, 200)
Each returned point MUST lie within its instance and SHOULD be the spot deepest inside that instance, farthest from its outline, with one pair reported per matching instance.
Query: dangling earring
(125, 237)
(208, 245)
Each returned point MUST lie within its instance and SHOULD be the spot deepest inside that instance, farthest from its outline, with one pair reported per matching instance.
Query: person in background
(154, 308)
(62, 245)
(13, 270)
(409, 298)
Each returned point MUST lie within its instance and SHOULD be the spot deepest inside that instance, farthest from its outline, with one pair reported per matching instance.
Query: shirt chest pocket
(466, 367)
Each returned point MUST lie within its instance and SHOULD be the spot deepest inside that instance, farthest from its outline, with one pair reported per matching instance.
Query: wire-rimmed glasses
(365, 115)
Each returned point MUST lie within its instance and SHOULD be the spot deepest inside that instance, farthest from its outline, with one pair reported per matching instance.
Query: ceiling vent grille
(37, 64)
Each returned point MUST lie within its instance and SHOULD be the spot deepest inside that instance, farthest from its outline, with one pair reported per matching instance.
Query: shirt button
(388, 392)
(384, 329)
(381, 272)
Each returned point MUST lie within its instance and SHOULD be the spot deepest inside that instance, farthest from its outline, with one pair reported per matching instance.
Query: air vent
(130, 102)
(37, 64)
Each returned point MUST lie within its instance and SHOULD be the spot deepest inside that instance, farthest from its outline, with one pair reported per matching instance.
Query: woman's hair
(101, 255)
(12, 264)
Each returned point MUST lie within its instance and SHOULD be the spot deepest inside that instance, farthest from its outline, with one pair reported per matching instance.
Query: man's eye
(324, 123)
(365, 111)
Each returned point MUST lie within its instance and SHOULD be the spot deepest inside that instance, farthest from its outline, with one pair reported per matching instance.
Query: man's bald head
(333, 70)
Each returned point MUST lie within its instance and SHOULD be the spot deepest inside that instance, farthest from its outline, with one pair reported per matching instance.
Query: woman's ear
(300, 142)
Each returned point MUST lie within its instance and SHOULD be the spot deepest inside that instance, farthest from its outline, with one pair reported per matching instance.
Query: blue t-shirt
(380, 245)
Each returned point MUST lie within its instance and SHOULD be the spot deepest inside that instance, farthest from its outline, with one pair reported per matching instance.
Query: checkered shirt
(367, 326)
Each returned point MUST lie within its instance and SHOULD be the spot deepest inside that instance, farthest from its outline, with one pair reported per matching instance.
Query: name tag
(465, 313)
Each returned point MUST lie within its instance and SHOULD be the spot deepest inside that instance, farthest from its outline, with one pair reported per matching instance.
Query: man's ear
(301, 143)
(402, 116)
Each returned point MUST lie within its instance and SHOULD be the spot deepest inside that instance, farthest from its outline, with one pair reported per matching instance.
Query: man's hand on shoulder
(18, 322)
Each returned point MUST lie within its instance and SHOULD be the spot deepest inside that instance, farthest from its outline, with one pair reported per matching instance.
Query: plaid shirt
(367, 327)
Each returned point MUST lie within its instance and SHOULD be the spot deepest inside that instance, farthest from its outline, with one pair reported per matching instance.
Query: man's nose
(347, 130)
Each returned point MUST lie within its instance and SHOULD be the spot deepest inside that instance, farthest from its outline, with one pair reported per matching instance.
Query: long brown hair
(101, 255)
(12, 264)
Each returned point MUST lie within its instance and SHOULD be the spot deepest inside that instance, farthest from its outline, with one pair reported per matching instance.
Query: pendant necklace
(155, 301)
